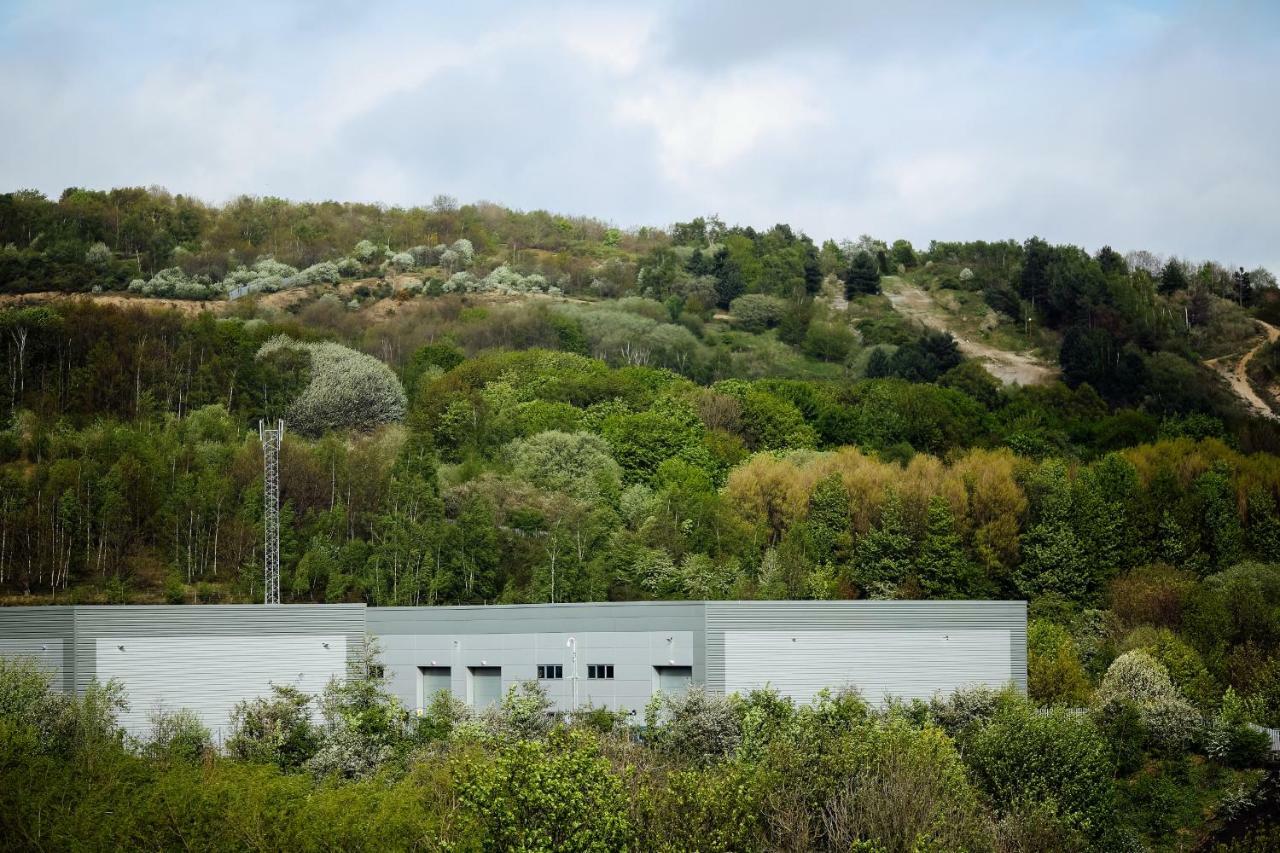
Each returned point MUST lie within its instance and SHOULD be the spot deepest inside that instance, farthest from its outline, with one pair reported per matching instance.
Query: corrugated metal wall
(207, 658)
(903, 648)
(46, 634)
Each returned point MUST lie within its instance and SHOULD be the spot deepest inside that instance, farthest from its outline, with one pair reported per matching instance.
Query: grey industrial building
(207, 658)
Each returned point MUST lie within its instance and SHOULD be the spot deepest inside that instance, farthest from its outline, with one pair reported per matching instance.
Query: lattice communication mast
(271, 439)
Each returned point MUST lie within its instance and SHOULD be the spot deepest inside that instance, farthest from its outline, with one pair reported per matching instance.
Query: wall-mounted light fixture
(326, 645)
(121, 648)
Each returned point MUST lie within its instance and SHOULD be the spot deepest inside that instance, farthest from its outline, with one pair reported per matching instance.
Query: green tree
(943, 568)
(884, 555)
(1055, 675)
(862, 276)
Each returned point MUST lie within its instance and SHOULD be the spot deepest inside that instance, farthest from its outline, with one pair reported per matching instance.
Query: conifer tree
(883, 558)
(943, 568)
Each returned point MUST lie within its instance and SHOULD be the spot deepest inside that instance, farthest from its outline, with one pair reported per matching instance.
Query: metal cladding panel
(633, 637)
(44, 633)
(210, 674)
(904, 664)
(93, 623)
(207, 657)
(913, 667)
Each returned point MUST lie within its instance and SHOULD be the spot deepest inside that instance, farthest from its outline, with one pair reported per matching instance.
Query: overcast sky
(1143, 125)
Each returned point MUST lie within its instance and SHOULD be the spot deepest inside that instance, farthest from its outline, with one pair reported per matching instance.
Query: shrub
(1180, 660)
(1152, 595)
(1231, 739)
(1023, 756)
(98, 255)
(436, 722)
(910, 792)
(62, 723)
(178, 736)
(756, 312)
(363, 724)
(525, 713)
(966, 710)
(325, 272)
(544, 795)
(698, 726)
(276, 730)
(365, 252)
(1137, 677)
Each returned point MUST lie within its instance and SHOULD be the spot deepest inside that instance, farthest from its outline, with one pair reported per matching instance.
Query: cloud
(1142, 125)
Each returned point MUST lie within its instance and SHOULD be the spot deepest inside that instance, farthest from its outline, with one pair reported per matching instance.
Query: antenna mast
(271, 509)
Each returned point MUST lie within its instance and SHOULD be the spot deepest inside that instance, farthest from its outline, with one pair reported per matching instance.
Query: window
(599, 670)
(550, 671)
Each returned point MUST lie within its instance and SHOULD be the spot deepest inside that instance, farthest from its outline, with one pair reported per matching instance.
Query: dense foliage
(493, 406)
(979, 771)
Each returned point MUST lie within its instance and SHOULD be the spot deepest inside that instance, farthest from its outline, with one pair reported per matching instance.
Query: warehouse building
(615, 655)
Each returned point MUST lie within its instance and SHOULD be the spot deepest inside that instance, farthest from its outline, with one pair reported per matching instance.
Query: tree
(559, 794)
(1055, 675)
(577, 464)
(862, 276)
(883, 558)
(1138, 679)
(347, 388)
(756, 312)
(1058, 758)
(902, 253)
(1173, 277)
(943, 569)
(730, 282)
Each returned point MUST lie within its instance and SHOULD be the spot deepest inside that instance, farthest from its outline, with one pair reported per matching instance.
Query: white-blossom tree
(347, 390)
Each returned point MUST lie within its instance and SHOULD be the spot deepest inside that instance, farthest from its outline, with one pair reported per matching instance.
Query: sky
(1145, 125)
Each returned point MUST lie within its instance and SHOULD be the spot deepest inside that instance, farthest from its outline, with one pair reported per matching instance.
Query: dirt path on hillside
(1011, 368)
(1238, 376)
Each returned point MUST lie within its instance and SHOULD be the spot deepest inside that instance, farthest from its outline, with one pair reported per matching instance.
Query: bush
(1136, 677)
(963, 712)
(910, 792)
(363, 724)
(756, 312)
(98, 255)
(276, 730)
(577, 464)
(1231, 739)
(60, 724)
(1023, 756)
(544, 795)
(1180, 660)
(525, 713)
(178, 736)
(698, 726)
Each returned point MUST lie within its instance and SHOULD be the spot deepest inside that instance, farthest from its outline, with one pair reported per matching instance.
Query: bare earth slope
(1012, 368)
(1238, 376)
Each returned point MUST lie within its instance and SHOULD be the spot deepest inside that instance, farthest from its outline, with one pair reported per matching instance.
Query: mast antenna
(271, 439)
